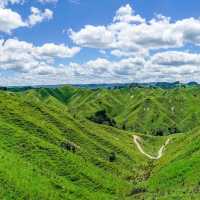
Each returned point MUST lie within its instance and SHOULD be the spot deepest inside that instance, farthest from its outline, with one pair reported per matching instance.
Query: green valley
(73, 143)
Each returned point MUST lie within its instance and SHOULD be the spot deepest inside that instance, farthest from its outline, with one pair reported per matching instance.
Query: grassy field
(51, 148)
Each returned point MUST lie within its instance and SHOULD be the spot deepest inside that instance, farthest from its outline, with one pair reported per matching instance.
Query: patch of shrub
(159, 132)
(3, 88)
(101, 117)
(173, 130)
(69, 146)
(112, 157)
(137, 191)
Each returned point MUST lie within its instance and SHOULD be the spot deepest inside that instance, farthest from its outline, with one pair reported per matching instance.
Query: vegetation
(72, 143)
(101, 117)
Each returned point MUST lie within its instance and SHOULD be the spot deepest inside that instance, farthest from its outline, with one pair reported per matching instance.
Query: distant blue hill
(163, 85)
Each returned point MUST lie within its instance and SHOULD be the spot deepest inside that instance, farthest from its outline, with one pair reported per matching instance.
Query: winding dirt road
(137, 140)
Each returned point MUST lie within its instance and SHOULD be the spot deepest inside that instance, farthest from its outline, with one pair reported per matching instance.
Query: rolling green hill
(150, 111)
(59, 143)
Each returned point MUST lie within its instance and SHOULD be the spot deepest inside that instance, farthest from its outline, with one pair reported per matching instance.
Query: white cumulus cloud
(4, 3)
(37, 16)
(10, 20)
(131, 32)
(22, 56)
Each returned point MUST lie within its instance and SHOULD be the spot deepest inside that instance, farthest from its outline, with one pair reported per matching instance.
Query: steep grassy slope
(150, 111)
(176, 175)
(50, 150)
(34, 163)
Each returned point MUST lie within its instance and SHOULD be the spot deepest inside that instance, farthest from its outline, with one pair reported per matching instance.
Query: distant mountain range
(163, 85)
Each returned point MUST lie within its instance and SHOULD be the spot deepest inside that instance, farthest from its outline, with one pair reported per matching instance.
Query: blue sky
(87, 41)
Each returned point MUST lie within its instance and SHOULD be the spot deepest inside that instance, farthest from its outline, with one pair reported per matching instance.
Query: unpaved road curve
(137, 140)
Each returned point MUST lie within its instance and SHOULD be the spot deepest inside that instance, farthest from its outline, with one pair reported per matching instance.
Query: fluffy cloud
(165, 66)
(61, 51)
(173, 58)
(33, 62)
(91, 36)
(38, 16)
(24, 57)
(102, 69)
(172, 66)
(10, 20)
(126, 14)
(132, 32)
(4, 3)
(137, 53)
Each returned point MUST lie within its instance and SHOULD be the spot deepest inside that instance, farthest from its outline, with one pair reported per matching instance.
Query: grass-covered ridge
(51, 148)
(152, 111)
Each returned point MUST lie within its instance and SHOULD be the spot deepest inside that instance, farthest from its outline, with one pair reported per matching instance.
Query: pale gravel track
(137, 139)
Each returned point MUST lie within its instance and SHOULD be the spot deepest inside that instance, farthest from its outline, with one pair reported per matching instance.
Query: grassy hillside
(176, 175)
(36, 164)
(146, 110)
(50, 149)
